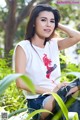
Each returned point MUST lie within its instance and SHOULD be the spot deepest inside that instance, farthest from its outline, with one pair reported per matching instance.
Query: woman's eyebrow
(46, 18)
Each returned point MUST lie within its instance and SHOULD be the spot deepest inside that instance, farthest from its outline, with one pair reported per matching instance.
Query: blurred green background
(14, 15)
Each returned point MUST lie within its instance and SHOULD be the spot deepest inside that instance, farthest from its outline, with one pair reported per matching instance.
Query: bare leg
(49, 105)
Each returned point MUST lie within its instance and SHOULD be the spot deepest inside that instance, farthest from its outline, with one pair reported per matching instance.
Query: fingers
(63, 84)
(72, 90)
(66, 83)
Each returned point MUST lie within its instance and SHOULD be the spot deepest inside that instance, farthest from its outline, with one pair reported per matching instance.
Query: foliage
(4, 68)
(67, 67)
(36, 112)
(8, 79)
(13, 20)
(62, 106)
(4, 83)
(12, 98)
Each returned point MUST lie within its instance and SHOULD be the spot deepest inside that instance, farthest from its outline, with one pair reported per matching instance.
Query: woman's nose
(48, 23)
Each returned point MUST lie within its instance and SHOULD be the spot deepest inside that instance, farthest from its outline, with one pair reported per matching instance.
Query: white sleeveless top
(43, 66)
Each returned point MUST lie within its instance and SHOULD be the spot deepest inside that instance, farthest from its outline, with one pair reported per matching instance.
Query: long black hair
(30, 30)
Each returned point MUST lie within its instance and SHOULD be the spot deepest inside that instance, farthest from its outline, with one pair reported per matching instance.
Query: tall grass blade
(62, 106)
(36, 112)
(6, 81)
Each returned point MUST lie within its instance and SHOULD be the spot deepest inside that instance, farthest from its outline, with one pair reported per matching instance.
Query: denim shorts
(36, 104)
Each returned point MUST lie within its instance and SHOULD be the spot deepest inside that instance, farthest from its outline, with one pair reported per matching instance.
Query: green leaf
(77, 74)
(36, 112)
(73, 116)
(61, 104)
(17, 112)
(76, 117)
(4, 83)
(28, 83)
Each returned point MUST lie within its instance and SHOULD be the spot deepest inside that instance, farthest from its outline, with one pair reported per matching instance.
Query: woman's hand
(60, 85)
(73, 90)
(63, 84)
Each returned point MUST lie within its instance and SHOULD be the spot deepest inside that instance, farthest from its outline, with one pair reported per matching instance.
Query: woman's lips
(47, 30)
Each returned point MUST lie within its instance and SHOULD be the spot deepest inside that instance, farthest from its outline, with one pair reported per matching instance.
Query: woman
(38, 57)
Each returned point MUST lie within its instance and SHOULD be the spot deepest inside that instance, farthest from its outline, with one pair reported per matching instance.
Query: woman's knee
(48, 104)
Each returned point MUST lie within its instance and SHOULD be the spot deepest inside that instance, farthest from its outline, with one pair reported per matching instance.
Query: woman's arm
(74, 37)
(20, 66)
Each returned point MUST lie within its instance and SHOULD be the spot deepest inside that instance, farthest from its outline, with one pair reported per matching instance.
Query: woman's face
(45, 24)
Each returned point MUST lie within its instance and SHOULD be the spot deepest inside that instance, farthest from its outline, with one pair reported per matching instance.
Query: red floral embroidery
(47, 63)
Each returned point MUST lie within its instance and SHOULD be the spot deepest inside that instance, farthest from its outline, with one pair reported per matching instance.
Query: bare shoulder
(19, 49)
(19, 53)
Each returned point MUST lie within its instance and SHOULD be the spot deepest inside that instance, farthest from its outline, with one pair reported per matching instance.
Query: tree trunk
(10, 27)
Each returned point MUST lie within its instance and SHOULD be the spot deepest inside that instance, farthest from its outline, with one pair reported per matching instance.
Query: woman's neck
(38, 42)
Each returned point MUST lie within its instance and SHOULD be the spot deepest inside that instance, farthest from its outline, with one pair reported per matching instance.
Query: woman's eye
(43, 20)
(52, 21)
